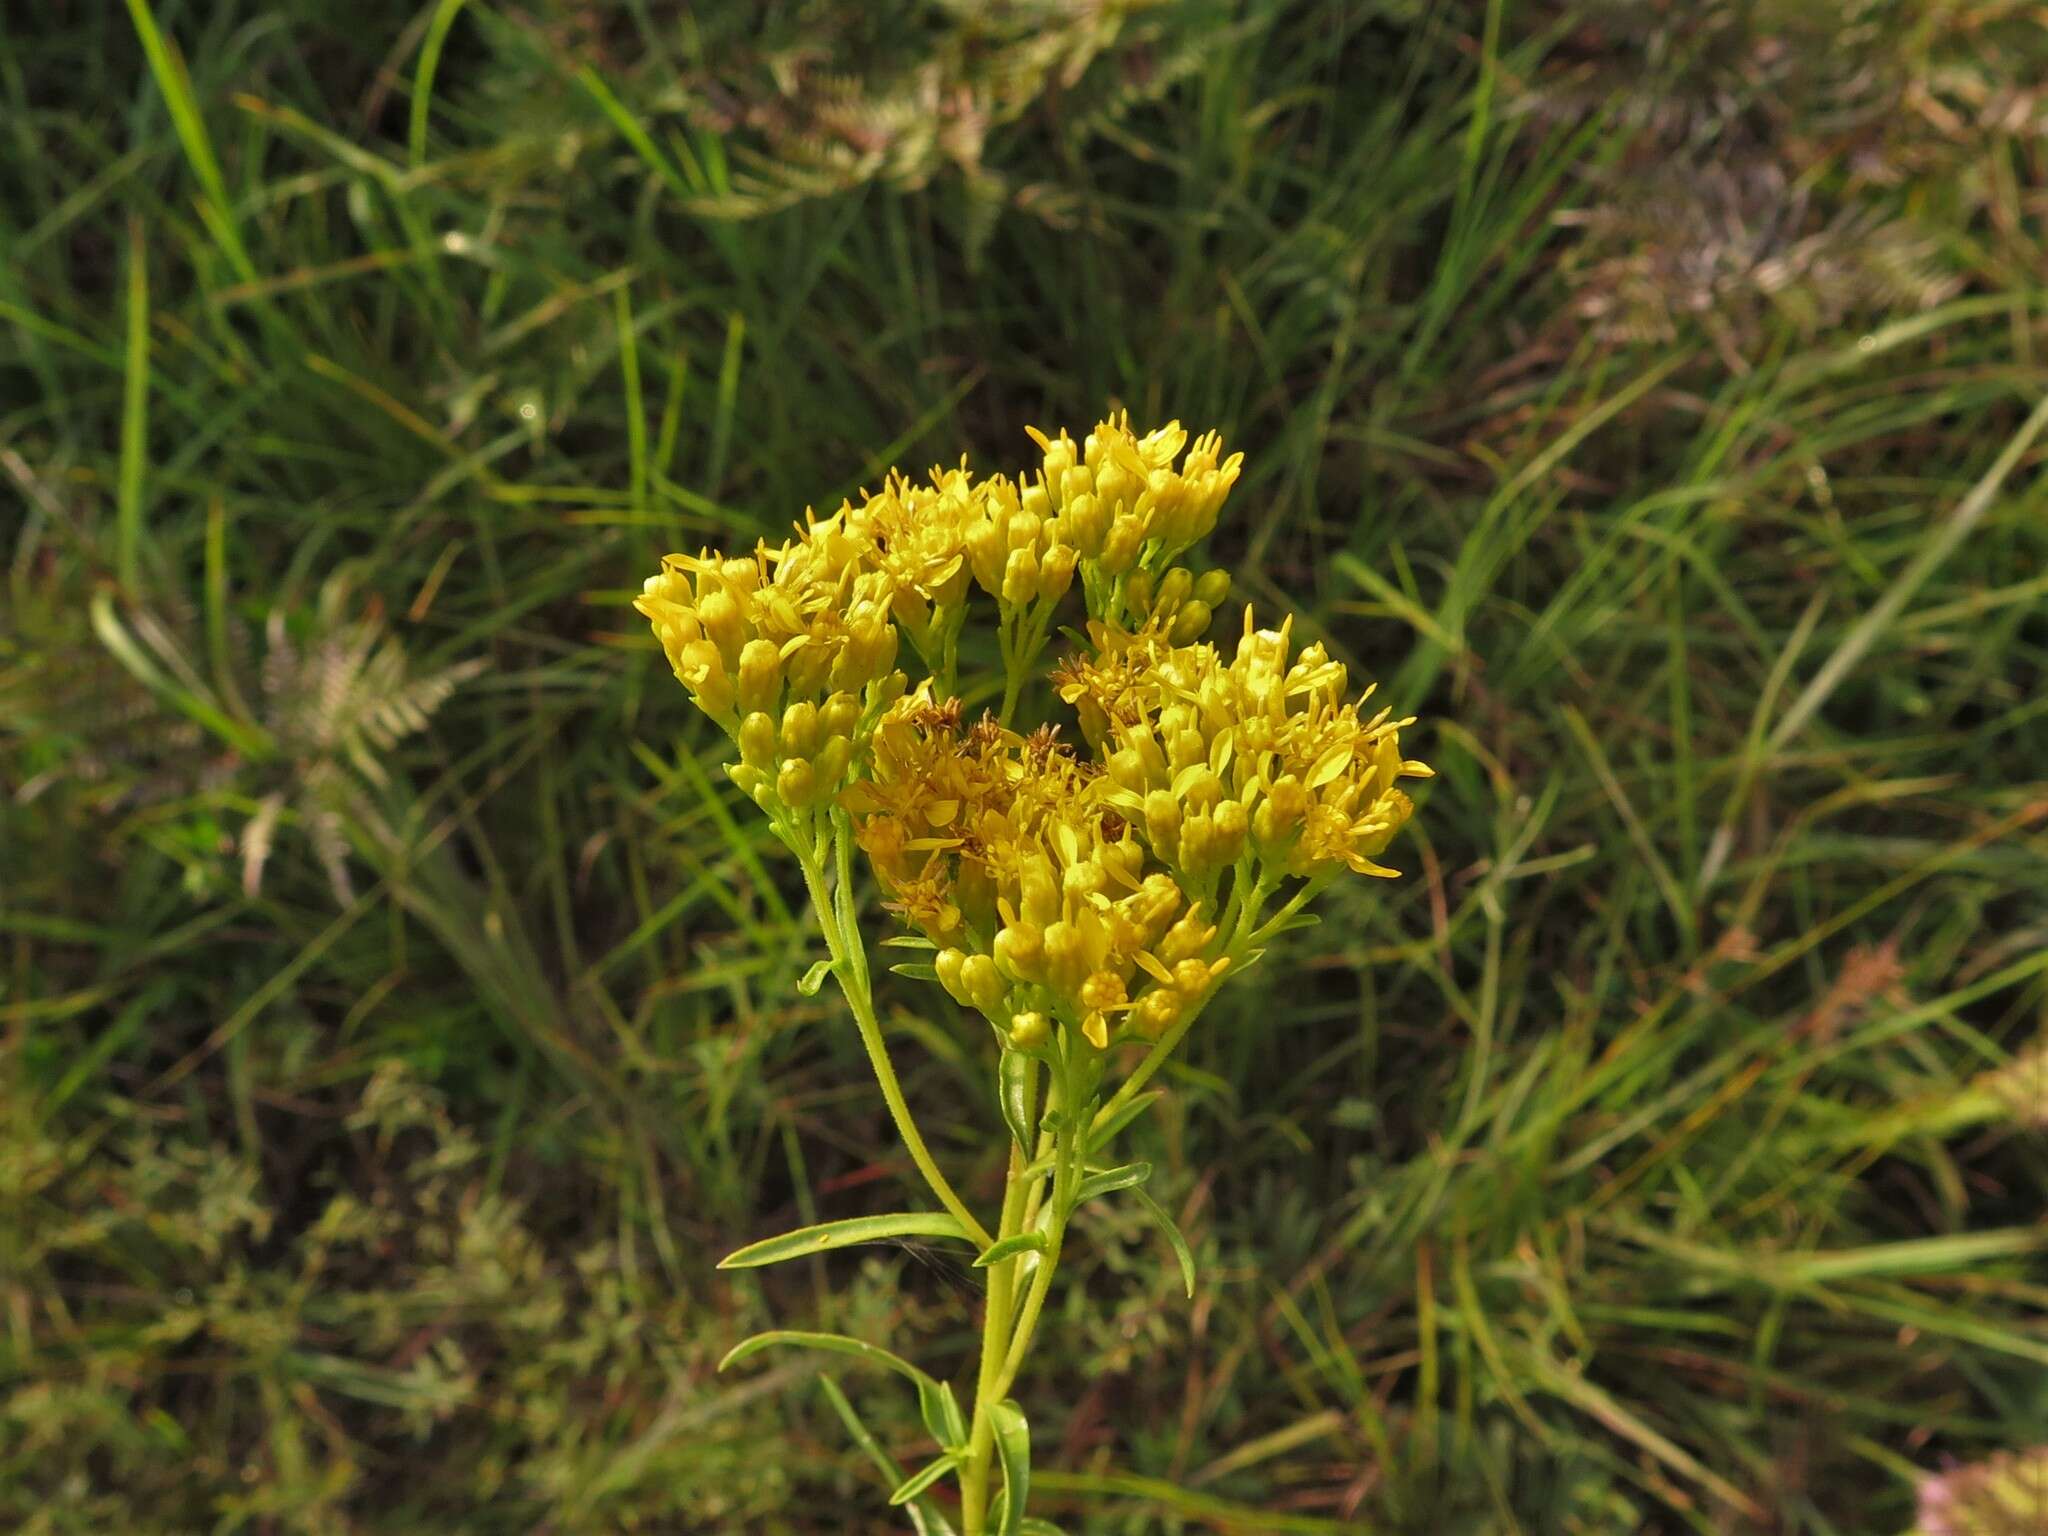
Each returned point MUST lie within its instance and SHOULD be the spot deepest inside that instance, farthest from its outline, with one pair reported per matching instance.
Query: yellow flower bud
(1028, 1031)
(1034, 499)
(1059, 458)
(870, 650)
(1162, 823)
(806, 669)
(1158, 899)
(1231, 825)
(1020, 578)
(1102, 990)
(1087, 525)
(831, 762)
(1056, 572)
(1157, 1012)
(1279, 816)
(1186, 939)
(1213, 588)
(1138, 592)
(760, 677)
(747, 778)
(703, 673)
(1174, 589)
(1066, 958)
(1075, 481)
(757, 741)
(950, 964)
(986, 553)
(981, 984)
(1120, 548)
(1191, 622)
(1191, 978)
(840, 714)
(796, 786)
(1020, 531)
(1020, 952)
(801, 732)
(1039, 892)
(1200, 789)
(1080, 881)
(723, 624)
(1127, 767)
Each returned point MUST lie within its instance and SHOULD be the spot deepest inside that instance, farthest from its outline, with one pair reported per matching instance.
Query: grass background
(399, 1014)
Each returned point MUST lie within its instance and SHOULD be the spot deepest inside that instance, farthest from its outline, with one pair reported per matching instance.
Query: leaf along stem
(849, 964)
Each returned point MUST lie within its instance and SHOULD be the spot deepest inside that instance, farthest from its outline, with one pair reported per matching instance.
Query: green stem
(851, 969)
(995, 1335)
(1004, 1343)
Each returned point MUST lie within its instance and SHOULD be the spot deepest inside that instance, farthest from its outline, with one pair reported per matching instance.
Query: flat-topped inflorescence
(1080, 884)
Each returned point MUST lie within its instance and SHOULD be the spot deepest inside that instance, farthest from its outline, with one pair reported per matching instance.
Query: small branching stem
(849, 964)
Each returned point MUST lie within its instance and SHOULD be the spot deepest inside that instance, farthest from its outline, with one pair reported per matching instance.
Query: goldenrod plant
(1085, 898)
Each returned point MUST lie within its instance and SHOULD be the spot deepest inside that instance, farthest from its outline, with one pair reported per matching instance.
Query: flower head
(1008, 851)
(1117, 494)
(1260, 752)
(786, 649)
(1088, 887)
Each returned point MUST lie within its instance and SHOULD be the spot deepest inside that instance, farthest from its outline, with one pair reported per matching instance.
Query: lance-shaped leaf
(925, 1517)
(827, 1235)
(1016, 1077)
(934, 1398)
(1103, 1134)
(1010, 1247)
(1181, 1250)
(918, 1481)
(831, 1343)
(1129, 1176)
(1013, 1452)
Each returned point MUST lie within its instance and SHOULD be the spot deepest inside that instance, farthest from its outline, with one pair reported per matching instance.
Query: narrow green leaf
(814, 978)
(1013, 1451)
(916, 970)
(917, 1482)
(1010, 1247)
(925, 1517)
(167, 65)
(134, 414)
(908, 941)
(831, 1343)
(827, 1235)
(1115, 1125)
(941, 1413)
(250, 740)
(423, 79)
(1166, 1223)
(1129, 1176)
(1017, 1083)
(629, 376)
(629, 126)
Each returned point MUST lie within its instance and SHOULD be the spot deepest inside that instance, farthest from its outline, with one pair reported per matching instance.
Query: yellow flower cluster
(1261, 754)
(1117, 491)
(785, 649)
(1007, 853)
(1086, 888)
